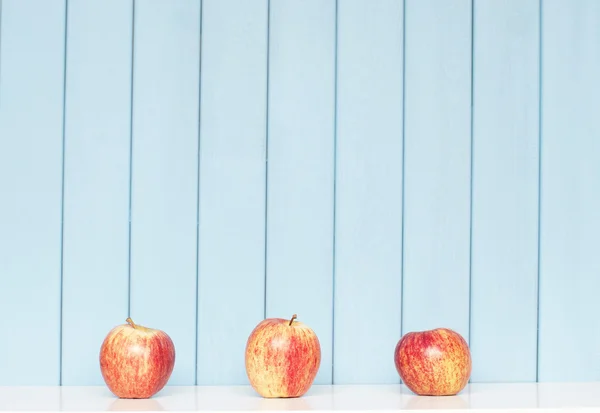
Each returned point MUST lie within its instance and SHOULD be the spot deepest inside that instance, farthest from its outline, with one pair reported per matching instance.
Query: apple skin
(434, 362)
(136, 362)
(282, 358)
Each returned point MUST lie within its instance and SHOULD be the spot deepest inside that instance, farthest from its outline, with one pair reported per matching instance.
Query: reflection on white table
(522, 397)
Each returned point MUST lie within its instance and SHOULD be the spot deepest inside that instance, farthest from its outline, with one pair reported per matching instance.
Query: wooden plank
(301, 168)
(97, 138)
(369, 191)
(505, 191)
(165, 174)
(232, 185)
(570, 190)
(31, 129)
(437, 165)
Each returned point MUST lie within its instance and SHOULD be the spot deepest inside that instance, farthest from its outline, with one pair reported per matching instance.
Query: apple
(282, 358)
(136, 361)
(433, 362)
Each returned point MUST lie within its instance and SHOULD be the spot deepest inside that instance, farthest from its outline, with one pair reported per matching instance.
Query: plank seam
(335, 146)
(539, 229)
(403, 164)
(62, 201)
(198, 191)
(471, 171)
(130, 158)
(267, 154)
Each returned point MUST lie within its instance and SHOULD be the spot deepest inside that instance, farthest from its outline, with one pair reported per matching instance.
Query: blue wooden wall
(375, 166)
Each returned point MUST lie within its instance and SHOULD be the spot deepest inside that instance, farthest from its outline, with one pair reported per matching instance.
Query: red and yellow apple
(282, 358)
(434, 362)
(136, 361)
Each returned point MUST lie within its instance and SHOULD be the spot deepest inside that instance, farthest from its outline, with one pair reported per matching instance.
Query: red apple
(282, 357)
(136, 361)
(434, 362)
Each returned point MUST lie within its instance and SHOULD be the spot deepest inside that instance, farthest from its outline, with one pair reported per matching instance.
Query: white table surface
(526, 397)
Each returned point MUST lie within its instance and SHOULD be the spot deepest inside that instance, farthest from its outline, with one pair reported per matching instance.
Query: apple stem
(130, 321)
(293, 318)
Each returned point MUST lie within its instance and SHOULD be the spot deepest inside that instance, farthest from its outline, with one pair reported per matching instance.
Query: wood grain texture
(570, 203)
(97, 139)
(31, 130)
(301, 168)
(437, 165)
(505, 191)
(368, 249)
(232, 185)
(376, 167)
(165, 174)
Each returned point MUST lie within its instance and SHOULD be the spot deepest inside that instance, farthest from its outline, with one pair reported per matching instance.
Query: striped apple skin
(282, 360)
(433, 363)
(136, 362)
